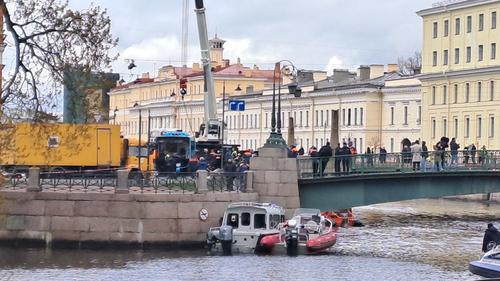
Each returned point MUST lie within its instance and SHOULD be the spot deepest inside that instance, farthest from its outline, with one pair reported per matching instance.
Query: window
(433, 95)
(343, 116)
(349, 117)
(456, 128)
(469, 54)
(419, 120)
(259, 221)
(466, 127)
(481, 22)
(445, 57)
(469, 24)
(327, 122)
(480, 53)
(355, 116)
(307, 118)
(479, 125)
(392, 115)
(300, 119)
(322, 120)
(433, 132)
(457, 55)
(434, 58)
(493, 20)
(361, 116)
(455, 93)
(492, 127)
(493, 51)
(445, 127)
(434, 30)
(492, 90)
(392, 145)
(245, 219)
(445, 94)
(457, 26)
(232, 220)
(317, 118)
(405, 115)
(467, 92)
(446, 28)
(479, 90)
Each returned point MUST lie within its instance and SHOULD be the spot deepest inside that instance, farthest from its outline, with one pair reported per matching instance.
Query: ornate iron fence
(163, 182)
(222, 181)
(78, 181)
(14, 181)
(433, 161)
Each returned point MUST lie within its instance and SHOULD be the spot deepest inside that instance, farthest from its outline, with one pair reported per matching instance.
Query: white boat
(489, 265)
(243, 226)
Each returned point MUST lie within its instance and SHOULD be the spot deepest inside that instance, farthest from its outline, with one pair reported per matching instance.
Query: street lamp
(288, 69)
(140, 133)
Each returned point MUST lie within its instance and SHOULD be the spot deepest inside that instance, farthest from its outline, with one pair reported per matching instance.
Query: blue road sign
(237, 105)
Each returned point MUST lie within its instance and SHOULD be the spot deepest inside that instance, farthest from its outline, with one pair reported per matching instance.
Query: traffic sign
(237, 105)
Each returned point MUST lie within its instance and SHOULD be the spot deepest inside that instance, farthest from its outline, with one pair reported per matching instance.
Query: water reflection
(413, 240)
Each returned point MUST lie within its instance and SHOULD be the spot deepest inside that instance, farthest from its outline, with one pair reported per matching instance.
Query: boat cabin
(253, 216)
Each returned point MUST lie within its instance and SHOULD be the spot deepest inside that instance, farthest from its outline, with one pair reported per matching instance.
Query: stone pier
(275, 178)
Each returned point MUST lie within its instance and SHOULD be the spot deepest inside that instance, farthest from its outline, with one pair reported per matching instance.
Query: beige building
(461, 73)
(159, 98)
(376, 108)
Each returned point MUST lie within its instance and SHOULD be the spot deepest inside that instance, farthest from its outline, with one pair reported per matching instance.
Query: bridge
(359, 180)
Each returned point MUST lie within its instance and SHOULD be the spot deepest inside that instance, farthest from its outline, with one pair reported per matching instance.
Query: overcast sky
(315, 34)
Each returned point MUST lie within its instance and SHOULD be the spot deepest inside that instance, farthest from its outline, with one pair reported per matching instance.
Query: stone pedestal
(201, 181)
(122, 182)
(34, 180)
(275, 178)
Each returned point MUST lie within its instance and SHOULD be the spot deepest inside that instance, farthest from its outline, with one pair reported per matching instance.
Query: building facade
(461, 73)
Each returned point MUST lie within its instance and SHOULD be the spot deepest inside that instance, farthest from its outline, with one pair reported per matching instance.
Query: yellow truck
(64, 146)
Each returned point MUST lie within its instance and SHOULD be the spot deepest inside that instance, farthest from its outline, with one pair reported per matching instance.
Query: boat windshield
(306, 211)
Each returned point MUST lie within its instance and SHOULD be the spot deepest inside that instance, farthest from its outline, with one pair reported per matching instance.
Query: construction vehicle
(62, 146)
(210, 130)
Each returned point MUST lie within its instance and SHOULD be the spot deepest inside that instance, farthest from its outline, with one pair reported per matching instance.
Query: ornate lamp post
(140, 133)
(289, 70)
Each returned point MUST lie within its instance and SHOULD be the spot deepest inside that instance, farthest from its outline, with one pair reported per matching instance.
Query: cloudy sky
(316, 34)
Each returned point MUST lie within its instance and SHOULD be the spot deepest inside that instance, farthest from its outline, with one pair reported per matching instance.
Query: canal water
(412, 240)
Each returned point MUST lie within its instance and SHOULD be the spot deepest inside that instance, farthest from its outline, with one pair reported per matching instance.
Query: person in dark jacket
(346, 157)
(491, 238)
(230, 170)
(325, 153)
(338, 158)
(313, 152)
(382, 155)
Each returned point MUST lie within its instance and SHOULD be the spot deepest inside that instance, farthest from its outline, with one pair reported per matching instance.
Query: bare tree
(410, 65)
(50, 40)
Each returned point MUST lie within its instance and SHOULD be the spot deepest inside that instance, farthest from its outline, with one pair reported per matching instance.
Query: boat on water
(243, 226)
(308, 232)
(488, 266)
(342, 218)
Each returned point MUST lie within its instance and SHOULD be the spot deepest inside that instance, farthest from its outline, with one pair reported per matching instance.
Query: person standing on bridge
(416, 149)
(345, 158)
(337, 159)
(454, 146)
(424, 155)
(325, 153)
(313, 153)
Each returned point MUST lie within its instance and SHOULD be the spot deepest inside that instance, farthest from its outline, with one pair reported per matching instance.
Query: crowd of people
(445, 154)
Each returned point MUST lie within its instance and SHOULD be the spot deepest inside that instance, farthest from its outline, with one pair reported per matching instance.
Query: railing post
(34, 180)
(201, 181)
(122, 182)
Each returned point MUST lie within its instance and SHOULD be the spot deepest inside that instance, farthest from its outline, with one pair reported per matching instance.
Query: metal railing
(163, 182)
(405, 162)
(78, 181)
(224, 181)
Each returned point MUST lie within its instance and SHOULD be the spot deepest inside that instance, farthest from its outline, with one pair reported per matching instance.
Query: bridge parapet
(396, 163)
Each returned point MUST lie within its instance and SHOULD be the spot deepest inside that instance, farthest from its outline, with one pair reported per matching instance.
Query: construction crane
(210, 130)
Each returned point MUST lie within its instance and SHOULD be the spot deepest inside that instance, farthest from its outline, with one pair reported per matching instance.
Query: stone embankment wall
(95, 219)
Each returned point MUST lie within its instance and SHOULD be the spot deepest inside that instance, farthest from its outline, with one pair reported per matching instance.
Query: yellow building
(159, 98)
(461, 72)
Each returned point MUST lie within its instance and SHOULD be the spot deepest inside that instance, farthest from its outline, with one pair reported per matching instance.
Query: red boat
(308, 232)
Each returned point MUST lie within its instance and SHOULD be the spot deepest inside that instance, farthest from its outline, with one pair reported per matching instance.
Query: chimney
(340, 75)
(226, 62)
(392, 67)
(196, 67)
(376, 70)
(238, 61)
(145, 75)
(364, 72)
